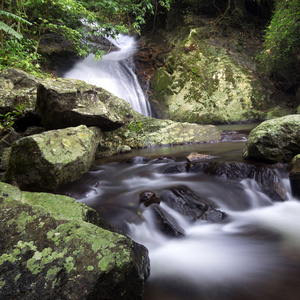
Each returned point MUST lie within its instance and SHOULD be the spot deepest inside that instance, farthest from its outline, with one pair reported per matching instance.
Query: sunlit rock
(53, 247)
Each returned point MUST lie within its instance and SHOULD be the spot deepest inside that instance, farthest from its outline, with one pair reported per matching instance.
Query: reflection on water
(252, 254)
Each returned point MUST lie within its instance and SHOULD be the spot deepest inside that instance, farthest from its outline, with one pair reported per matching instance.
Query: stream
(253, 253)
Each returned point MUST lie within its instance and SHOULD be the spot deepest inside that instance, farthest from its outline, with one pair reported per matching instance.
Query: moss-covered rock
(17, 88)
(146, 132)
(69, 102)
(206, 81)
(52, 247)
(47, 161)
(276, 140)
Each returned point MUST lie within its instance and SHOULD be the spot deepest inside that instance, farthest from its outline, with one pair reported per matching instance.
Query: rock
(186, 202)
(52, 247)
(156, 132)
(266, 177)
(194, 157)
(165, 222)
(137, 160)
(178, 168)
(294, 168)
(17, 88)
(68, 102)
(203, 82)
(50, 160)
(148, 198)
(275, 140)
(214, 215)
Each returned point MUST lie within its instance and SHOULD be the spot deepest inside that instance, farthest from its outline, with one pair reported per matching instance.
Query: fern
(7, 29)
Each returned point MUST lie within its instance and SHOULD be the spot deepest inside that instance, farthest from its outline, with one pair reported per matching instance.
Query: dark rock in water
(270, 183)
(266, 177)
(186, 202)
(196, 167)
(233, 136)
(181, 168)
(137, 160)
(148, 198)
(164, 160)
(294, 168)
(232, 171)
(165, 222)
(214, 215)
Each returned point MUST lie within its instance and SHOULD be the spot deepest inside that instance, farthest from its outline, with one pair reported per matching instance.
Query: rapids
(252, 254)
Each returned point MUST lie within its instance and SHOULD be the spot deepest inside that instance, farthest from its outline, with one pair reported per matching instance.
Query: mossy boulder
(65, 103)
(146, 132)
(208, 80)
(48, 161)
(276, 140)
(17, 89)
(52, 247)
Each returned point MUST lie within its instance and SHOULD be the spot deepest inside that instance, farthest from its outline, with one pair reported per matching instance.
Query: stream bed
(253, 253)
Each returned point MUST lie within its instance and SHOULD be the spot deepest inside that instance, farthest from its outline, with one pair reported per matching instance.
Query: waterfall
(115, 73)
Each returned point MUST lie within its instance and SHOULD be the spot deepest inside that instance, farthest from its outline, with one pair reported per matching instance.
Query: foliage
(282, 36)
(8, 120)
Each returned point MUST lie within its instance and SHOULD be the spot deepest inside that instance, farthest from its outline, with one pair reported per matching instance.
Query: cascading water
(114, 72)
(252, 254)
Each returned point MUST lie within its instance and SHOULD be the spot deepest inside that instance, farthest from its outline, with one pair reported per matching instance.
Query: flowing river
(252, 254)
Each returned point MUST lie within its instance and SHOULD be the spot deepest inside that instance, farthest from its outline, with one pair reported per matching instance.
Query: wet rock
(294, 168)
(179, 168)
(276, 140)
(68, 102)
(194, 157)
(52, 247)
(266, 177)
(148, 198)
(165, 222)
(196, 167)
(214, 215)
(50, 160)
(163, 160)
(186, 202)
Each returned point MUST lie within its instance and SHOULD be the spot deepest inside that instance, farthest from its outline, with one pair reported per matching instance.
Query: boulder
(266, 177)
(294, 168)
(69, 102)
(208, 80)
(194, 157)
(186, 202)
(50, 160)
(145, 132)
(17, 88)
(276, 140)
(52, 247)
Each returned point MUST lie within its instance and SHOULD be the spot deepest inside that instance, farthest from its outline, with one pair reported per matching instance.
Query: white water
(115, 73)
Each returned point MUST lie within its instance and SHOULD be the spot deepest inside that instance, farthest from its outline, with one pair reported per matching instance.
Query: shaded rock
(52, 247)
(163, 160)
(275, 140)
(165, 222)
(17, 88)
(50, 160)
(266, 177)
(196, 167)
(186, 202)
(194, 156)
(294, 168)
(69, 102)
(179, 168)
(148, 198)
